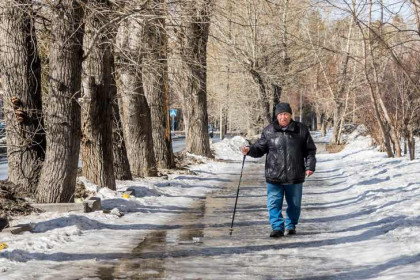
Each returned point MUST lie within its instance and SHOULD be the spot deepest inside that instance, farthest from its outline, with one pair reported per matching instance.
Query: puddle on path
(172, 253)
(150, 256)
(165, 253)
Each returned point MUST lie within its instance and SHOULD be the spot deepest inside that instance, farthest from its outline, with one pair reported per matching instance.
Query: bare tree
(121, 164)
(156, 82)
(97, 149)
(194, 37)
(21, 80)
(134, 109)
(62, 112)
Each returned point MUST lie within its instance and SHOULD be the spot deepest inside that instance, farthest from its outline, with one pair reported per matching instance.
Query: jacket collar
(290, 127)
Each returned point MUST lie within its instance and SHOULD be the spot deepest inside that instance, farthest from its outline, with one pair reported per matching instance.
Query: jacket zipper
(285, 154)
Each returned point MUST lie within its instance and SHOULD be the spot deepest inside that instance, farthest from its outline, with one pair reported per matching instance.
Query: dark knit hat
(283, 108)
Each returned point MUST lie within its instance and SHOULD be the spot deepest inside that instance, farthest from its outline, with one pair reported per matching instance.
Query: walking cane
(237, 194)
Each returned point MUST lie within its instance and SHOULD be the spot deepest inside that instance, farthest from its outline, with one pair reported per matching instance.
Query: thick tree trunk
(196, 31)
(262, 96)
(134, 110)
(62, 112)
(97, 152)
(121, 163)
(156, 66)
(20, 69)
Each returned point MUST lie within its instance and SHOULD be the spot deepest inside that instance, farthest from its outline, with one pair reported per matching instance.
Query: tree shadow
(202, 179)
(359, 198)
(369, 272)
(339, 217)
(218, 251)
(329, 171)
(19, 255)
(371, 224)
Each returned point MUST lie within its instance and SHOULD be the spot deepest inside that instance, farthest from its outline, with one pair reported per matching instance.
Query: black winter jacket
(289, 153)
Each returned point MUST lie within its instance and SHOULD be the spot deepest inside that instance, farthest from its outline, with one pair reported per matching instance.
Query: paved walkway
(249, 254)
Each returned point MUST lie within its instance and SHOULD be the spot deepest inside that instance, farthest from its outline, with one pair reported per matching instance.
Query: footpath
(332, 242)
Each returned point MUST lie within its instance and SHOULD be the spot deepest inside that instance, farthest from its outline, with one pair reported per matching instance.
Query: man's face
(284, 119)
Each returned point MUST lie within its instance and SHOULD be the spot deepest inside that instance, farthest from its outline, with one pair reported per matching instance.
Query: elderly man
(290, 157)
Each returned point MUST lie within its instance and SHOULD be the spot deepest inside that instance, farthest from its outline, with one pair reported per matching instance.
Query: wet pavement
(197, 244)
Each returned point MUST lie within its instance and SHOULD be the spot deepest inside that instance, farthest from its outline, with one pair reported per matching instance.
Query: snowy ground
(360, 220)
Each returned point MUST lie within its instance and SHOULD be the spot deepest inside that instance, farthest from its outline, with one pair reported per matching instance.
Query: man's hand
(244, 150)
(309, 173)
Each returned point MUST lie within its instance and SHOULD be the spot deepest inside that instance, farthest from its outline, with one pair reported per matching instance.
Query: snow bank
(229, 148)
(62, 238)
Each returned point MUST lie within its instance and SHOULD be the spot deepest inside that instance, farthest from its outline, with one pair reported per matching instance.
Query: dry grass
(333, 148)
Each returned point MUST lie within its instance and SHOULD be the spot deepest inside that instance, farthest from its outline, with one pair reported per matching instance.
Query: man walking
(290, 157)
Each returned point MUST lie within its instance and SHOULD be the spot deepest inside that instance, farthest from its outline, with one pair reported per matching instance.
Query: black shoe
(290, 231)
(276, 233)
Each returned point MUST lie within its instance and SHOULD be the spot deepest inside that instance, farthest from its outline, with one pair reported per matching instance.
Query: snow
(373, 218)
(229, 148)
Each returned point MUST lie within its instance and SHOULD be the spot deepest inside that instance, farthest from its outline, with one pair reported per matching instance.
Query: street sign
(173, 112)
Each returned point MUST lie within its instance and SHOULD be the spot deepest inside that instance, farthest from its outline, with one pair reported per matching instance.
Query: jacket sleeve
(310, 153)
(259, 148)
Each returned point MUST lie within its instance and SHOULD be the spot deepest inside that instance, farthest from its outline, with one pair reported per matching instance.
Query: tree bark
(62, 112)
(196, 30)
(156, 68)
(392, 130)
(337, 123)
(373, 97)
(411, 143)
(121, 163)
(97, 150)
(339, 109)
(134, 109)
(20, 68)
(264, 101)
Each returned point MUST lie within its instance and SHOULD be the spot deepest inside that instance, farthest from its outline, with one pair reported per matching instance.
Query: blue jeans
(275, 194)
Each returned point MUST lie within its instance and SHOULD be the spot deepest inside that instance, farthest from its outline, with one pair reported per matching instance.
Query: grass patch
(333, 148)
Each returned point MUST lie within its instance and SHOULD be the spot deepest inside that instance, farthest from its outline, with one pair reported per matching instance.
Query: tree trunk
(337, 119)
(21, 76)
(121, 163)
(134, 110)
(323, 126)
(340, 109)
(156, 66)
(97, 156)
(373, 97)
(392, 130)
(196, 32)
(411, 143)
(264, 101)
(62, 112)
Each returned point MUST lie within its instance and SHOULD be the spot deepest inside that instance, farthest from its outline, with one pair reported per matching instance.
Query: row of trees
(91, 77)
(337, 62)
(100, 75)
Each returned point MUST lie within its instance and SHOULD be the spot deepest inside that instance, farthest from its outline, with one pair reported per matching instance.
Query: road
(178, 144)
